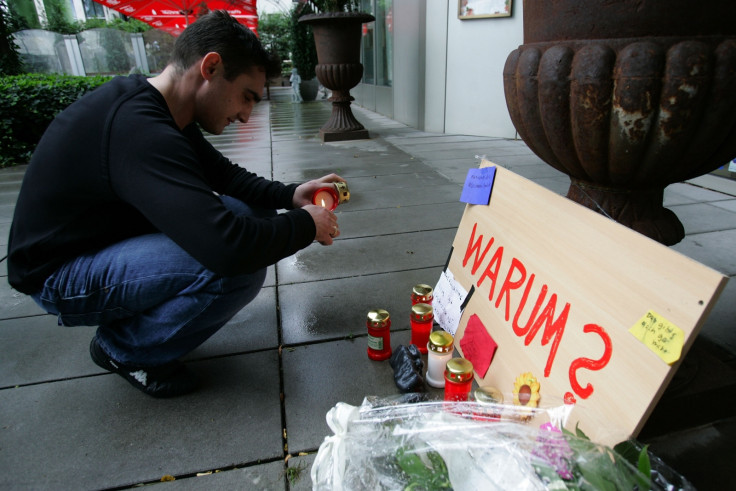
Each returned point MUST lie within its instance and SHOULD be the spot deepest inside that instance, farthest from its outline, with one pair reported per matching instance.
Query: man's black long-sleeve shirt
(114, 165)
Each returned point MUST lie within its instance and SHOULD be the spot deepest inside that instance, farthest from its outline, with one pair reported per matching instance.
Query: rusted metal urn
(337, 39)
(626, 98)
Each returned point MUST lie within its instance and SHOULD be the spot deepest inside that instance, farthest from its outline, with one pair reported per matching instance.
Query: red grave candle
(458, 379)
(379, 334)
(326, 198)
(421, 294)
(422, 317)
(489, 401)
(331, 195)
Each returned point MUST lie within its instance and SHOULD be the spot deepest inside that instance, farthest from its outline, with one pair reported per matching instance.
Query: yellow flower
(526, 390)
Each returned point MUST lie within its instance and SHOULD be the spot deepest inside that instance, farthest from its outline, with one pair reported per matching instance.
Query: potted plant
(337, 26)
(303, 53)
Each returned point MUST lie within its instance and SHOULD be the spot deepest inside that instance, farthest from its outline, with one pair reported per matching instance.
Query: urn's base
(639, 209)
(338, 136)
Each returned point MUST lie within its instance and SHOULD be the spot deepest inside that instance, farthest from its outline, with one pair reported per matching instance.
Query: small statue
(296, 81)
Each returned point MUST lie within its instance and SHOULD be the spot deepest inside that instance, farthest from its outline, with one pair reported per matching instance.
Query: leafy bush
(303, 51)
(335, 5)
(274, 30)
(28, 103)
(9, 58)
(128, 24)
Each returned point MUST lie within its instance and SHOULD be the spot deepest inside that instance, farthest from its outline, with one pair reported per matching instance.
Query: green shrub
(303, 51)
(28, 103)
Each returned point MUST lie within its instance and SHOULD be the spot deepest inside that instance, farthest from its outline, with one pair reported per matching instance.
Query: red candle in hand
(326, 198)
(331, 195)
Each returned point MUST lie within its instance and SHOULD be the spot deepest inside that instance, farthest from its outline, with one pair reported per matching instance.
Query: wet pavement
(271, 374)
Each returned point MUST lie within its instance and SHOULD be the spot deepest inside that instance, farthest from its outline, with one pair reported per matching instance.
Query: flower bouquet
(394, 445)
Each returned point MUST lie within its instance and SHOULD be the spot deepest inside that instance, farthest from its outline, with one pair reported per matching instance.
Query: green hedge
(28, 103)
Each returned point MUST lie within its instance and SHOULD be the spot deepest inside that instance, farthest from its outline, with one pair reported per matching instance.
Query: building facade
(427, 67)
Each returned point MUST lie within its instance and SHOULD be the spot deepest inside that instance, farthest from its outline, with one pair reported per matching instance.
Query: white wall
(435, 66)
(448, 73)
(476, 53)
(409, 62)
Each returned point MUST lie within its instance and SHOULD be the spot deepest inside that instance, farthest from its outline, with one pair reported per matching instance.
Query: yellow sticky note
(660, 336)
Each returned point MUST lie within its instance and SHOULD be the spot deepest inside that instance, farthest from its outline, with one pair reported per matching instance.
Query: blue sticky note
(478, 184)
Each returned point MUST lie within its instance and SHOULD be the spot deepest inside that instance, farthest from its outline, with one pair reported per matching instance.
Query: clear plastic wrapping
(391, 444)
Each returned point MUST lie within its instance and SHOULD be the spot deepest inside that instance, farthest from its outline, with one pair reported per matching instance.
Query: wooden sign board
(595, 311)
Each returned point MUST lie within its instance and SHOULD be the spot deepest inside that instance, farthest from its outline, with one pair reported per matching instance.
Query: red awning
(173, 16)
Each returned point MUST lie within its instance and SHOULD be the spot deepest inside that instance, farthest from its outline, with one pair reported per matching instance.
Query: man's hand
(303, 194)
(326, 223)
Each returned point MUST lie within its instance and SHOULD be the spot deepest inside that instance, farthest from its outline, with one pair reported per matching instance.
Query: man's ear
(211, 63)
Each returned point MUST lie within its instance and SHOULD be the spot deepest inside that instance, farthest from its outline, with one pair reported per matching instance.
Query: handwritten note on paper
(659, 335)
(478, 185)
(448, 300)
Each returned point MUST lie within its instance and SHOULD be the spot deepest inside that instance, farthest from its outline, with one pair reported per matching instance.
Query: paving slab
(714, 249)
(559, 185)
(336, 309)
(14, 303)
(697, 194)
(704, 217)
(56, 352)
(376, 255)
(720, 326)
(351, 167)
(8, 197)
(4, 232)
(34, 350)
(685, 194)
(99, 432)
(301, 479)
(318, 376)
(386, 221)
(716, 183)
(263, 477)
(402, 190)
(6, 211)
(254, 328)
(729, 205)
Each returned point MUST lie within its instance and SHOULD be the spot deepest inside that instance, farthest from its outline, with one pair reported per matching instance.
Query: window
(378, 43)
(93, 10)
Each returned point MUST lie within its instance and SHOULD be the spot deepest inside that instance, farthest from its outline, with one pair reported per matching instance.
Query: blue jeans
(152, 301)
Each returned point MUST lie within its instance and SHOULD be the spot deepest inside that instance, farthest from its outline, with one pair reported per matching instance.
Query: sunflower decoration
(526, 390)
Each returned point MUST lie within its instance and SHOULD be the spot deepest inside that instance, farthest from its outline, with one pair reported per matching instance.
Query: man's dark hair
(218, 32)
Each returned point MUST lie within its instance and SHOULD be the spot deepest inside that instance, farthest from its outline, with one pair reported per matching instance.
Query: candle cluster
(454, 374)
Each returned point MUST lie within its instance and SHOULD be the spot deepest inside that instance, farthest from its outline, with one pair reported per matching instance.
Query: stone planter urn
(308, 89)
(337, 38)
(626, 98)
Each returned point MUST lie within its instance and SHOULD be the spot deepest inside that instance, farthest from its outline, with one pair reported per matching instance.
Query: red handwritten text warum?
(542, 317)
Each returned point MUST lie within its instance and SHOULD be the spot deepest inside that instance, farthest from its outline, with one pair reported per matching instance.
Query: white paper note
(448, 300)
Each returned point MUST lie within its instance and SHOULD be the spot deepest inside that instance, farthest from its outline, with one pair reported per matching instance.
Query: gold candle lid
(459, 370)
(343, 193)
(422, 292)
(440, 342)
(488, 395)
(422, 312)
(378, 318)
